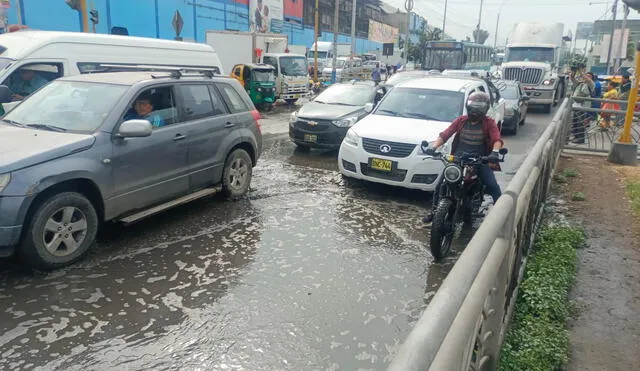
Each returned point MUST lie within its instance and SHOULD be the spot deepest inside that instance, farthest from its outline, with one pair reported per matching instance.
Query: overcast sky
(462, 15)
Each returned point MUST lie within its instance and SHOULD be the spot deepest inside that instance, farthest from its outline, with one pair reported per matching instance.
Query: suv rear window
(233, 99)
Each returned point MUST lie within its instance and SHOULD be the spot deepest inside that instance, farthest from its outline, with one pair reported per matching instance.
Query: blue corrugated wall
(152, 18)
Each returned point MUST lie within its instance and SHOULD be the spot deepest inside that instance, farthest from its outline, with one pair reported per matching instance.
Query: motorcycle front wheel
(442, 229)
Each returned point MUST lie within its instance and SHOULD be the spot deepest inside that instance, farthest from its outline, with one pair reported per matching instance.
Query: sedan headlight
(452, 173)
(352, 138)
(4, 180)
(346, 122)
(293, 118)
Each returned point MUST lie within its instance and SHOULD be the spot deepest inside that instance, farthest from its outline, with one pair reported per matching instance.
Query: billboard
(293, 10)
(265, 16)
(604, 46)
(584, 30)
(382, 33)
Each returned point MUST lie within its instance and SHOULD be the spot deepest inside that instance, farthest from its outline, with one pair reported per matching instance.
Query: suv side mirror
(368, 107)
(135, 129)
(5, 94)
(526, 98)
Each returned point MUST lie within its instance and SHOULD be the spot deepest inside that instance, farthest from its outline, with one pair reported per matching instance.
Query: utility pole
(495, 35)
(477, 37)
(408, 5)
(315, 45)
(613, 29)
(618, 60)
(353, 29)
(336, 19)
(444, 20)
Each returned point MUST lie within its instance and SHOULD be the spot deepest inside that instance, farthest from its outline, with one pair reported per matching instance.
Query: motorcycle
(461, 196)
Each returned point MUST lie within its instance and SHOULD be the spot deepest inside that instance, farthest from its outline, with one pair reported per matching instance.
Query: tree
(480, 36)
(416, 50)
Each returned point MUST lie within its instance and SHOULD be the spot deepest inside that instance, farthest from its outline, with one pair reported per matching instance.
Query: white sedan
(384, 147)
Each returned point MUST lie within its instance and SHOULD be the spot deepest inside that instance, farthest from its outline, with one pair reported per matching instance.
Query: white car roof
(440, 83)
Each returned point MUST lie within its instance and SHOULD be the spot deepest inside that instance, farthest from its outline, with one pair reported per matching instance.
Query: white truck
(325, 53)
(292, 76)
(533, 56)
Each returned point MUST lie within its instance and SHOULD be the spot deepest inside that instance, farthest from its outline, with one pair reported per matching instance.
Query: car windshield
(510, 92)
(423, 104)
(347, 95)
(523, 54)
(293, 66)
(68, 106)
(263, 76)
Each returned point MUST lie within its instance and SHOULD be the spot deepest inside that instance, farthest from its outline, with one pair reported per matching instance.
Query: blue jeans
(487, 177)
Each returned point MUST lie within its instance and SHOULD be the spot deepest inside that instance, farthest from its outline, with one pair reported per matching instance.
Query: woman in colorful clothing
(612, 94)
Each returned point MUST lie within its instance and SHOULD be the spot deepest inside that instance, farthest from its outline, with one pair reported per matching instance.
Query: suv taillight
(256, 118)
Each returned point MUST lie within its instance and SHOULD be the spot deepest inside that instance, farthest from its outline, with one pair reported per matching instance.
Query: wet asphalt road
(304, 274)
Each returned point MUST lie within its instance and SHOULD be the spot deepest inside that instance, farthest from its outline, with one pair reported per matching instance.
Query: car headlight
(549, 82)
(452, 173)
(293, 118)
(346, 122)
(4, 180)
(352, 138)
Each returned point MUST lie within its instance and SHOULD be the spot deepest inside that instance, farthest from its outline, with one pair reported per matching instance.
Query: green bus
(457, 55)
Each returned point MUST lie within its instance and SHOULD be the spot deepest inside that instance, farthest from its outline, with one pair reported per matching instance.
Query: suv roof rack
(175, 71)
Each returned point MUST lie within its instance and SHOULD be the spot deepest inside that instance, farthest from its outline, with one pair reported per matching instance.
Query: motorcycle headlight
(346, 122)
(4, 180)
(352, 138)
(452, 173)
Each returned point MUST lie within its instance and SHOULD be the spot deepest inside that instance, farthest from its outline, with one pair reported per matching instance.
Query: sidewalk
(605, 333)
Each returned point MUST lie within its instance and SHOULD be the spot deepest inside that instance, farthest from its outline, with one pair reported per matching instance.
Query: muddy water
(304, 274)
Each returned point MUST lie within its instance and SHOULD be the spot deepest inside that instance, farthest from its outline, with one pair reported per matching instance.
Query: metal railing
(463, 326)
(596, 129)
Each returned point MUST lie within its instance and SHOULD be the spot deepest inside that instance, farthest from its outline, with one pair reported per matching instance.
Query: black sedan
(324, 122)
(516, 106)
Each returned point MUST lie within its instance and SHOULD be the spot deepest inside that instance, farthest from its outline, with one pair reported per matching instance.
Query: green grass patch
(633, 190)
(578, 196)
(560, 179)
(570, 172)
(538, 338)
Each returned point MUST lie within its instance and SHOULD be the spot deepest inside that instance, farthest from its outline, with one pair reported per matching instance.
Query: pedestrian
(375, 74)
(597, 93)
(611, 94)
(580, 120)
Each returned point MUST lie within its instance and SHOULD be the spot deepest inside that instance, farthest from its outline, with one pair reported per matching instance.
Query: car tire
(236, 176)
(44, 234)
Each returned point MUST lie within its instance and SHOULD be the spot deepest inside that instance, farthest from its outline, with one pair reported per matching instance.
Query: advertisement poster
(293, 10)
(382, 33)
(265, 16)
(616, 51)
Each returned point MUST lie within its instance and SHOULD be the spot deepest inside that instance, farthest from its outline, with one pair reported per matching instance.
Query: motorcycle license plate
(381, 165)
(311, 138)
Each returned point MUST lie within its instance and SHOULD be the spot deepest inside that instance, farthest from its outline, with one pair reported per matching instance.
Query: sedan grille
(386, 148)
(526, 76)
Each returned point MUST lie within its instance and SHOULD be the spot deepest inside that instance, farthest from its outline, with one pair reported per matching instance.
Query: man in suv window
(143, 110)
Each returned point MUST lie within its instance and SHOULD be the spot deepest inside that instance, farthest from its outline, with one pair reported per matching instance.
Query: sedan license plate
(381, 165)
(310, 138)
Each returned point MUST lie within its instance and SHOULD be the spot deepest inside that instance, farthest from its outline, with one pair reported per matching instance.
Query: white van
(51, 55)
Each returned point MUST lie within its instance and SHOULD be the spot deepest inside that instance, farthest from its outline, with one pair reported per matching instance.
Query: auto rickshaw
(259, 81)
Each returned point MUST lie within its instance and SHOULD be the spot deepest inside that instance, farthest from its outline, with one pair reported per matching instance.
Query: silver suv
(117, 147)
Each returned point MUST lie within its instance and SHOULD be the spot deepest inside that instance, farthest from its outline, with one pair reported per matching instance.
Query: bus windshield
(443, 59)
(530, 54)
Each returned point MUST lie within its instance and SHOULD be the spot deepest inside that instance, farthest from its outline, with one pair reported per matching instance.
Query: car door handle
(229, 125)
(179, 137)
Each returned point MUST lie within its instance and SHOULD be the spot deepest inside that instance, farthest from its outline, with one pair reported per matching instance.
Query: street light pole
(477, 38)
(618, 60)
(336, 19)
(315, 45)
(353, 29)
(613, 29)
(408, 6)
(444, 20)
(495, 35)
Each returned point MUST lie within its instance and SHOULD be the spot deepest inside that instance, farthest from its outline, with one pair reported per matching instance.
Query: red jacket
(489, 128)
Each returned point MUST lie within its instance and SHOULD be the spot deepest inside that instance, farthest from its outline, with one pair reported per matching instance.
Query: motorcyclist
(475, 133)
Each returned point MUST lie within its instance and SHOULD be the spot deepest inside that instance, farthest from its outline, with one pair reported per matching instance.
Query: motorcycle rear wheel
(442, 229)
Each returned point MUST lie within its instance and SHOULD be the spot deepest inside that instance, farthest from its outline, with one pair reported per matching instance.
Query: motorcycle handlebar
(465, 157)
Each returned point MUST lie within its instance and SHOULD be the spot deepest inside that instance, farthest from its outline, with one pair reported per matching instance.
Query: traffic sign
(387, 49)
(177, 23)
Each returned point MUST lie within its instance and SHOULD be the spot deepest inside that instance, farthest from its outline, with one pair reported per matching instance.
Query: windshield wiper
(341, 104)
(392, 113)
(422, 116)
(14, 123)
(47, 127)
(319, 101)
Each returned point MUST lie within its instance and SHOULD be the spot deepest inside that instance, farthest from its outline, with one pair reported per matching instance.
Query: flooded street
(304, 274)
